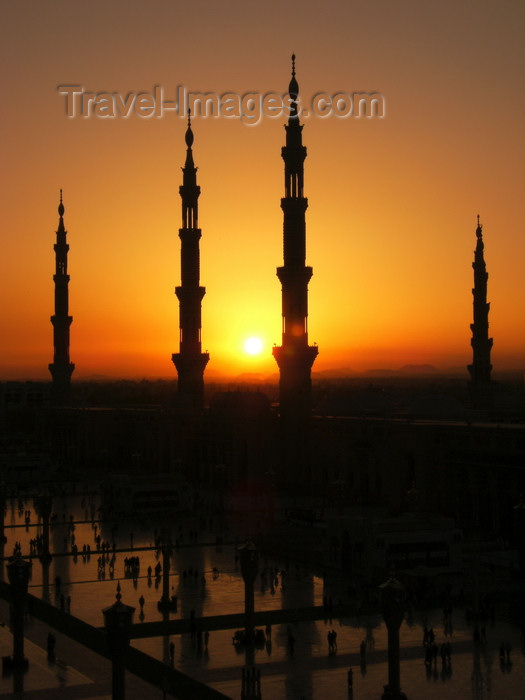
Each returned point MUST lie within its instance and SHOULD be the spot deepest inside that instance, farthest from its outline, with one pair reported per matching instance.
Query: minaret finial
(61, 206)
(479, 229)
(189, 132)
(293, 91)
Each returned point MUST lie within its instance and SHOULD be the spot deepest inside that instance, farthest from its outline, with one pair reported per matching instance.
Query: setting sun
(253, 346)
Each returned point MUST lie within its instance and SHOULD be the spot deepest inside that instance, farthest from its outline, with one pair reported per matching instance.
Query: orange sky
(392, 201)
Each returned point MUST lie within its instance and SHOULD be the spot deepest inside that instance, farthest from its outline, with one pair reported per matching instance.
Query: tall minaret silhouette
(190, 362)
(61, 368)
(481, 343)
(294, 357)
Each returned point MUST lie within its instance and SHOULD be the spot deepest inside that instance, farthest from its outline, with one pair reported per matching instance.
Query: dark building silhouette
(369, 443)
(61, 368)
(190, 362)
(294, 357)
(480, 368)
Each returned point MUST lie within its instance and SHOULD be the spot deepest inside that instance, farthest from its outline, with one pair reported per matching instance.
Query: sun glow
(253, 345)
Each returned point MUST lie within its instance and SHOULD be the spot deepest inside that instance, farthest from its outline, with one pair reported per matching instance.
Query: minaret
(61, 368)
(481, 343)
(190, 362)
(294, 357)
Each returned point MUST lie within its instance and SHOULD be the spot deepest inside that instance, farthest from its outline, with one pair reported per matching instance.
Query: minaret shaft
(61, 368)
(294, 357)
(190, 361)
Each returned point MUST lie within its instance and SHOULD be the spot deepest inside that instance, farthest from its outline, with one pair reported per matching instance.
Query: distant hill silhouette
(254, 377)
(418, 369)
(330, 375)
(335, 373)
(406, 370)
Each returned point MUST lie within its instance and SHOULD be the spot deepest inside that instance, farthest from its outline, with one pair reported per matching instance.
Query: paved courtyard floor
(206, 579)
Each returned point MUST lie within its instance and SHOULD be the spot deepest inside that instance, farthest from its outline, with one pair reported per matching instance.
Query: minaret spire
(190, 362)
(294, 357)
(61, 368)
(293, 91)
(480, 368)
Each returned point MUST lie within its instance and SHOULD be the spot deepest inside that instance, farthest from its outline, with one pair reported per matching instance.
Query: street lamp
(251, 679)
(117, 621)
(18, 571)
(519, 520)
(166, 545)
(393, 609)
(270, 477)
(249, 558)
(43, 504)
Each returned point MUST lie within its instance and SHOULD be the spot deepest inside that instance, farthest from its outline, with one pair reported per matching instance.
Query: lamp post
(3, 538)
(519, 520)
(43, 504)
(339, 494)
(18, 571)
(249, 559)
(251, 679)
(270, 476)
(117, 621)
(393, 608)
(166, 603)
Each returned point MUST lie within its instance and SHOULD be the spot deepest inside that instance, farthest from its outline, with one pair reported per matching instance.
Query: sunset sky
(392, 201)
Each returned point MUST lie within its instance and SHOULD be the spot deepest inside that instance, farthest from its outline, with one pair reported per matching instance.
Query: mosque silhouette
(355, 445)
(378, 481)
